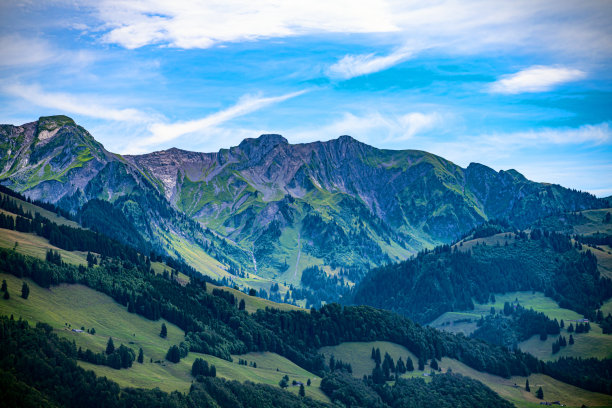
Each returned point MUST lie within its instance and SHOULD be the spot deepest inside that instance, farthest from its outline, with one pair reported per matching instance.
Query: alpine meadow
(305, 204)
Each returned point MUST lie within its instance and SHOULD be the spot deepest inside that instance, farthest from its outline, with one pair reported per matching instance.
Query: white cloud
(351, 66)
(165, 132)
(203, 23)
(456, 26)
(74, 104)
(374, 127)
(536, 79)
(508, 146)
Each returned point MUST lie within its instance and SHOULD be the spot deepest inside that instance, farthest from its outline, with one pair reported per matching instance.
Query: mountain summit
(270, 208)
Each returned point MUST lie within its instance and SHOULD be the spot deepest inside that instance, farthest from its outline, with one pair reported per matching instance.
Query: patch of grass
(358, 354)
(47, 214)
(591, 344)
(33, 245)
(553, 390)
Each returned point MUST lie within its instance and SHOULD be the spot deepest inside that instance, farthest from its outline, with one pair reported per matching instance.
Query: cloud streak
(67, 103)
(536, 79)
(373, 127)
(351, 66)
(165, 132)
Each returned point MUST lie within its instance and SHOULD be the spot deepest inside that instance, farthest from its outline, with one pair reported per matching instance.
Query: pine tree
(4, 286)
(110, 346)
(140, 356)
(25, 290)
(6, 296)
(242, 305)
(571, 340)
(527, 385)
(302, 391)
(308, 382)
(164, 331)
(540, 393)
(173, 355)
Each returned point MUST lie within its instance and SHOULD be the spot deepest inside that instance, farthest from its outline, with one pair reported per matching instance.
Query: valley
(257, 325)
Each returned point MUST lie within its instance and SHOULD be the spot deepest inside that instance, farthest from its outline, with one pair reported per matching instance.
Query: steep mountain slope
(282, 207)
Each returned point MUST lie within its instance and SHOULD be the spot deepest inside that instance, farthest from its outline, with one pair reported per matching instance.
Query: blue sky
(513, 84)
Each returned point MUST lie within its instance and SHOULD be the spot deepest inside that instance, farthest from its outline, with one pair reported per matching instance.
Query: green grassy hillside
(45, 213)
(592, 344)
(358, 355)
(67, 307)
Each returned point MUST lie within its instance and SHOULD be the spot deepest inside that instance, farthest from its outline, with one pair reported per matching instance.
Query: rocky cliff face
(340, 203)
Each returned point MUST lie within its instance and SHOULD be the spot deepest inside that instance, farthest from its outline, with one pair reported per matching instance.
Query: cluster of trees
(117, 358)
(339, 365)
(516, 324)
(385, 367)
(322, 288)
(448, 278)
(445, 391)
(560, 342)
(201, 367)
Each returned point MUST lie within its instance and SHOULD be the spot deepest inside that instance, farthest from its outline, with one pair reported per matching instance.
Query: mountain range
(266, 209)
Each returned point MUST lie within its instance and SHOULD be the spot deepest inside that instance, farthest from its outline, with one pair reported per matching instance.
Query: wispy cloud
(536, 79)
(502, 146)
(373, 127)
(165, 132)
(204, 23)
(87, 105)
(351, 66)
(456, 26)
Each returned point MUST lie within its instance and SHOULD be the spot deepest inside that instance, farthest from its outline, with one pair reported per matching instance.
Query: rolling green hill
(358, 355)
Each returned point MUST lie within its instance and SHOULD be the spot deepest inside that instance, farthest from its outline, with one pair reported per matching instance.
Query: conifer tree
(25, 290)
(110, 346)
(164, 331)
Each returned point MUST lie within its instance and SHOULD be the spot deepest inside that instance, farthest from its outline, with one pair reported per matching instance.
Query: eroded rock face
(344, 199)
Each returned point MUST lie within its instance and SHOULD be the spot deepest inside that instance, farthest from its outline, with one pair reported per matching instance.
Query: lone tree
(302, 391)
(110, 346)
(25, 290)
(527, 385)
(164, 331)
(308, 382)
(174, 354)
(140, 356)
(6, 295)
(540, 393)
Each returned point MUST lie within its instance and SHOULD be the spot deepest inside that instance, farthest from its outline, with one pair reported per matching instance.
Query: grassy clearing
(33, 245)
(455, 321)
(592, 344)
(253, 303)
(74, 306)
(553, 390)
(358, 354)
(594, 222)
(47, 214)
